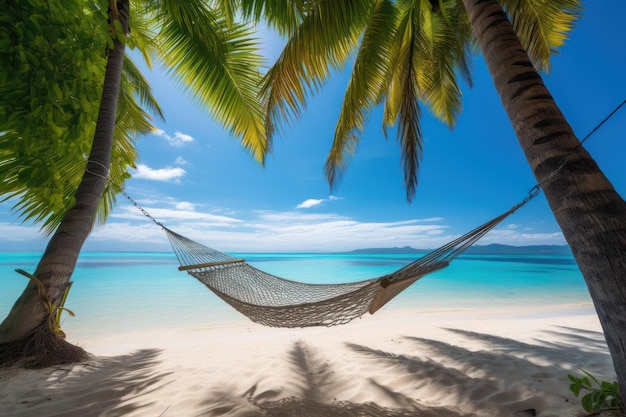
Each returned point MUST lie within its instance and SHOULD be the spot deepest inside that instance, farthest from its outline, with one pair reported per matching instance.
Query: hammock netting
(273, 301)
(278, 302)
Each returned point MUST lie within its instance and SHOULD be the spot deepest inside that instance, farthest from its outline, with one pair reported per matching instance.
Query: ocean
(117, 292)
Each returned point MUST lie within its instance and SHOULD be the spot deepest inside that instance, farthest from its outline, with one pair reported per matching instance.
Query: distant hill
(405, 249)
(493, 249)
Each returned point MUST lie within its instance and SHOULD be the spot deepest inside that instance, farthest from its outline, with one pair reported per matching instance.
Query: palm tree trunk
(591, 214)
(59, 259)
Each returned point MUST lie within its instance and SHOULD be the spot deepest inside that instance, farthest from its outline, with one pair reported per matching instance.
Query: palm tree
(210, 55)
(590, 213)
(405, 53)
(52, 81)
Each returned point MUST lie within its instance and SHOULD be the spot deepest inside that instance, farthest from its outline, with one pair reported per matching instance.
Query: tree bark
(59, 259)
(591, 214)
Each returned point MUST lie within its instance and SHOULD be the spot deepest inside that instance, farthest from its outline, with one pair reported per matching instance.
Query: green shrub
(601, 396)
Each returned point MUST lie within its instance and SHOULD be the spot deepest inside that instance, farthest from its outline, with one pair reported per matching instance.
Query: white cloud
(181, 213)
(313, 202)
(296, 231)
(267, 231)
(180, 161)
(17, 232)
(129, 233)
(257, 231)
(322, 237)
(182, 138)
(178, 140)
(509, 235)
(185, 205)
(162, 174)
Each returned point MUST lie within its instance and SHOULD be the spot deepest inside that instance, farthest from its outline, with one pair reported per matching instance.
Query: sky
(197, 180)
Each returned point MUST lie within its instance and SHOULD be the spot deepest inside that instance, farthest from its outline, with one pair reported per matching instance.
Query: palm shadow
(483, 378)
(461, 376)
(589, 339)
(565, 350)
(100, 386)
(314, 378)
(316, 383)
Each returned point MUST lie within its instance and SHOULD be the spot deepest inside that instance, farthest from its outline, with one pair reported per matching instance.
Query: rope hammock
(273, 301)
(277, 302)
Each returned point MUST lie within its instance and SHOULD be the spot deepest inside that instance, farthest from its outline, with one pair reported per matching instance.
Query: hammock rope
(274, 301)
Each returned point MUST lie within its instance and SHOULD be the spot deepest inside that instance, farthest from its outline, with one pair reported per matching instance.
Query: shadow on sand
(100, 386)
(420, 378)
(484, 378)
(476, 382)
(317, 384)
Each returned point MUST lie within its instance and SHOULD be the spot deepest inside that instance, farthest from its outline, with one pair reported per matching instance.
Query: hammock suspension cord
(278, 302)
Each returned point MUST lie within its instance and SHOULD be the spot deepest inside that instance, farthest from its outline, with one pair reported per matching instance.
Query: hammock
(273, 301)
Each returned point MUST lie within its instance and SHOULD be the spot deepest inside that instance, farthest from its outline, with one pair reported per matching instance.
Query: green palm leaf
(432, 47)
(136, 86)
(418, 61)
(142, 36)
(367, 86)
(217, 64)
(445, 53)
(406, 91)
(324, 40)
(282, 15)
(542, 25)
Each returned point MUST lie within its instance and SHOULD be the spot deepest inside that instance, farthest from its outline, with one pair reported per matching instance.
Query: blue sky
(197, 180)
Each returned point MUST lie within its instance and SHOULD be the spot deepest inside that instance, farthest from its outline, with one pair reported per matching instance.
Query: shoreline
(478, 362)
(149, 336)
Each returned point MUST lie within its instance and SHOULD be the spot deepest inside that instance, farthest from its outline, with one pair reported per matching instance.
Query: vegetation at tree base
(601, 396)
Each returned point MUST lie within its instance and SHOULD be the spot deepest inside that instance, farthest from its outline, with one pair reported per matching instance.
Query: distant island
(493, 249)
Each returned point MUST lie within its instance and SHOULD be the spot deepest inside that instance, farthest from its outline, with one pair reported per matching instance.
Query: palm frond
(142, 35)
(44, 179)
(229, 8)
(542, 25)
(393, 97)
(135, 79)
(467, 47)
(444, 48)
(409, 130)
(191, 18)
(402, 107)
(72, 172)
(368, 84)
(284, 16)
(432, 49)
(217, 64)
(323, 41)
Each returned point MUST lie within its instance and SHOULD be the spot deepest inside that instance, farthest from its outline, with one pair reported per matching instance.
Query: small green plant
(54, 310)
(601, 396)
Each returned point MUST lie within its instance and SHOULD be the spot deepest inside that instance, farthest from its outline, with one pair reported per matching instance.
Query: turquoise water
(116, 292)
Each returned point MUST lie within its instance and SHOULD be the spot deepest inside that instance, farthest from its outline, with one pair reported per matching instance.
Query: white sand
(435, 364)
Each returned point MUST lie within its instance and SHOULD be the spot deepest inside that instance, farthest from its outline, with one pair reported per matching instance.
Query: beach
(456, 363)
(163, 345)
